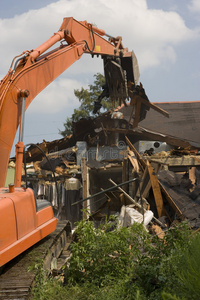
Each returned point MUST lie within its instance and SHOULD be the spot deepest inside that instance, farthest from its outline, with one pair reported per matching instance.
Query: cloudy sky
(164, 34)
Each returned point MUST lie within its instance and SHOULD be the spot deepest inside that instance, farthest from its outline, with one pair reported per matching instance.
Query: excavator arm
(31, 72)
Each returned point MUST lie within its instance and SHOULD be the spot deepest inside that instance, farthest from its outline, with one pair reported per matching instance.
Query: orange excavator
(23, 220)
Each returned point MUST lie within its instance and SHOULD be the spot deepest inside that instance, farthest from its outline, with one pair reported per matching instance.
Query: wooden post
(142, 183)
(85, 185)
(124, 173)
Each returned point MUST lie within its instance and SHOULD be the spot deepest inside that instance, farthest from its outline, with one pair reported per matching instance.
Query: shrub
(100, 254)
(186, 267)
(155, 270)
(128, 264)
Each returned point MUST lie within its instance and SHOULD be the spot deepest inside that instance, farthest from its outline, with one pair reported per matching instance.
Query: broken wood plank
(183, 161)
(139, 157)
(147, 189)
(192, 176)
(153, 182)
(156, 190)
(158, 109)
(141, 186)
(140, 99)
(158, 231)
(133, 161)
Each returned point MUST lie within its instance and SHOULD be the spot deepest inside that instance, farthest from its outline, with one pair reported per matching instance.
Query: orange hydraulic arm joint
(90, 37)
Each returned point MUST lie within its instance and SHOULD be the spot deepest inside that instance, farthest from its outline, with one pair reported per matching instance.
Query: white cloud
(142, 29)
(194, 6)
(152, 34)
(58, 95)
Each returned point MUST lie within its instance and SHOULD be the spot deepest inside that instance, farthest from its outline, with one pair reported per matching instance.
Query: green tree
(87, 98)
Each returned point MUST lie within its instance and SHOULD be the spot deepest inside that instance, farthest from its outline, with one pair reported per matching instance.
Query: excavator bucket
(130, 65)
(119, 72)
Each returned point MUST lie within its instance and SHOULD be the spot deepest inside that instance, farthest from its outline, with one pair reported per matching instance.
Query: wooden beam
(183, 161)
(141, 186)
(85, 186)
(147, 189)
(133, 160)
(157, 187)
(139, 158)
(124, 172)
(156, 190)
(158, 109)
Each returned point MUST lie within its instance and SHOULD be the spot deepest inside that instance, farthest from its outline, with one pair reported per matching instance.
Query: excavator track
(18, 276)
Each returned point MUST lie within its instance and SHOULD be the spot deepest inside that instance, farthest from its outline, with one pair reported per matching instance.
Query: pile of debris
(110, 167)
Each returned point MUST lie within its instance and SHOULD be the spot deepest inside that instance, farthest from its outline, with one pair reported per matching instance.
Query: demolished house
(158, 160)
